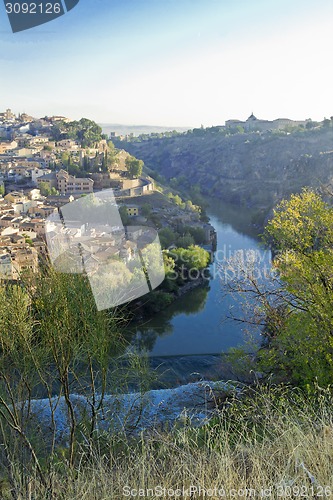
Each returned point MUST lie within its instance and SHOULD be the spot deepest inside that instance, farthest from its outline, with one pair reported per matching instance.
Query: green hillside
(252, 169)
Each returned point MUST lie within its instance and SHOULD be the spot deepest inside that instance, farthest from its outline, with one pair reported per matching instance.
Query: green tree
(326, 123)
(177, 199)
(189, 206)
(134, 166)
(310, 124)
(298, 309)
(124, 215)
(65, 158)
(45, 189)
(86, 164)
(197, 233)
(84, 131)
(193, 257)
(167, 237)
(185, 241)
(146, 209)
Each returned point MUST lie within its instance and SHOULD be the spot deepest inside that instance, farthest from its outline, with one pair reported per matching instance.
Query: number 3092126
(33, 8)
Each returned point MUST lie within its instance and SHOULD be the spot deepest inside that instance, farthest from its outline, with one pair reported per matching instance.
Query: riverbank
(272, 442)
(185, 270)
(130, 413)
(172, 371)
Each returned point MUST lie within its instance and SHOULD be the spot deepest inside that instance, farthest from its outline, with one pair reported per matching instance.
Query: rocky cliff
(251, 169)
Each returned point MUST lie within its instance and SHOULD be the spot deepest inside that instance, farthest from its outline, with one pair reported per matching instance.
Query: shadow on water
(145, 334)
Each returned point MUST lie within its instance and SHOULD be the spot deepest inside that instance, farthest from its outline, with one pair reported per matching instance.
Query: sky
(173, 62)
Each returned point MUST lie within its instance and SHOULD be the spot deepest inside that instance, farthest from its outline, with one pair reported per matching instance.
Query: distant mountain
(251, 169)
(137, 130)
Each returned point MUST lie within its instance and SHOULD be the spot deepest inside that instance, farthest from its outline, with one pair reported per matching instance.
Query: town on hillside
(48, 162)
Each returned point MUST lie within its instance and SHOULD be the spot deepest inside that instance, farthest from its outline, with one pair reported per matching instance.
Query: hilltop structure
(253, 124)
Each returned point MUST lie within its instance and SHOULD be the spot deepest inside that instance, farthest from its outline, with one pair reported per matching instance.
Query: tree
(192, 258)
(177, 199)
(302, 224)
(167, 237)
(45, 189)
(310, 124)
(146, 209)
(189, 206)
(84, 131)
(124, 215)
(326, 123)
(96, 162)
(65, 158)
(2, 189)
(86, 164)
(197, 233)
(185, 241)
(296, 305)
(55, 345)
(104, 162)
(134, 166)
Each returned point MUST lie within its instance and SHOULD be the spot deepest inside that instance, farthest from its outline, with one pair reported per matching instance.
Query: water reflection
(144, 335)
(195, 324)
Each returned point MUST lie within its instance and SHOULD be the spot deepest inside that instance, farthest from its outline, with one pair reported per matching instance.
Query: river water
(190, 335)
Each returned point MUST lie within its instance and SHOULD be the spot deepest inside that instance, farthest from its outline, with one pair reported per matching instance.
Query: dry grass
(274, 439)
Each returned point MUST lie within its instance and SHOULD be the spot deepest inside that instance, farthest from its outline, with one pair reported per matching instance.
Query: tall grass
(275, 439)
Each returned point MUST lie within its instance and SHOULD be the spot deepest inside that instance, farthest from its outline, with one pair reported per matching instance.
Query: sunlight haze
(168, 63)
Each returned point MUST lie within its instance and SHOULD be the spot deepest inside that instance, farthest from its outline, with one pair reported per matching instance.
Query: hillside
(251, 169)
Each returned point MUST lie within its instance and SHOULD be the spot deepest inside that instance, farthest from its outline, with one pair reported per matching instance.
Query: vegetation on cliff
(252, 169)
(86, 132)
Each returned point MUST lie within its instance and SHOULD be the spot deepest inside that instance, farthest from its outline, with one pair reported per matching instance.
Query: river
(190, 335)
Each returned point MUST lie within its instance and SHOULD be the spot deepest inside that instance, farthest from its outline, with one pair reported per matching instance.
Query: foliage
(296, 308)
(124, 215)
(197, 233)
(84, 131)
(45, 189)
(176, 199)
(326, 123)
(146, 209)
(53, 344)
(194, 257)
(185, 241)
(134, 166)
(167, 237)
(262, 439)
(302, 231)
(302, 224)
(156, 301)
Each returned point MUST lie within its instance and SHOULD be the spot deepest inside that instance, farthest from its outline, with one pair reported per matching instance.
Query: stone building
(253, 124)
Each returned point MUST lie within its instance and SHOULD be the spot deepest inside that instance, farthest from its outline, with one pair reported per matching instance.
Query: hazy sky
(173, 62)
